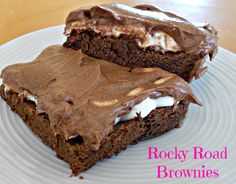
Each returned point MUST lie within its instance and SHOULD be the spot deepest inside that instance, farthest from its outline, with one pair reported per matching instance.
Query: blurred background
(18, 17)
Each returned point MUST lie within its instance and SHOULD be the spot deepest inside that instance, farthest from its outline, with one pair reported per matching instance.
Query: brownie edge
(125, 51)
(80, 156)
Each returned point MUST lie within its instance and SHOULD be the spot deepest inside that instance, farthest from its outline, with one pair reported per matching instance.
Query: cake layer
(84, 97)
(142, 36)
(79, 155)
(124, 51)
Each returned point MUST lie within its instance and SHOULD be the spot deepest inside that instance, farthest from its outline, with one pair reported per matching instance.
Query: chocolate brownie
(75, 152)
(87, 109)
(143, 36)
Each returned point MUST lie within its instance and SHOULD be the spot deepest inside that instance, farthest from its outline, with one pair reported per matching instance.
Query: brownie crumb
(81, 177)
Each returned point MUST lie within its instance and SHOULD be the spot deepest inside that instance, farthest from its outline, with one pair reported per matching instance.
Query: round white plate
(25, 159)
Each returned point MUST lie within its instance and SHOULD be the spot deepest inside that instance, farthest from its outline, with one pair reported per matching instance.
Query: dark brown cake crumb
(81, 177)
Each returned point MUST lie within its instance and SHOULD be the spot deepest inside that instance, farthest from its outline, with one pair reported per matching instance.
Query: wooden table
(20, 17)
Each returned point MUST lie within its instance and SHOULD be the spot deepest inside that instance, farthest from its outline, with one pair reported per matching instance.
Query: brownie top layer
(83, 96)
(148, 24)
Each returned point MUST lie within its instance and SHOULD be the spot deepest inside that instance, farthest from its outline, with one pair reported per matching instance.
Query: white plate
(25, 159)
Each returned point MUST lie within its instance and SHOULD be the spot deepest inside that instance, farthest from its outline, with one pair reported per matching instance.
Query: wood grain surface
(19, 17)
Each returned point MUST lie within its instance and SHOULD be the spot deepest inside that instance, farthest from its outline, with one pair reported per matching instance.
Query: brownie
(75, 152)
(124, 51)
(120, 34)
(87, 109)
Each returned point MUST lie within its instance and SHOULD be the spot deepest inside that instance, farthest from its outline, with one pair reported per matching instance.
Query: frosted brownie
(142, 36)
(88, 109)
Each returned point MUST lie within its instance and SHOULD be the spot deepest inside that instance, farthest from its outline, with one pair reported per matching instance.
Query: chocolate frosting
(83, 96)
(143, 19)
